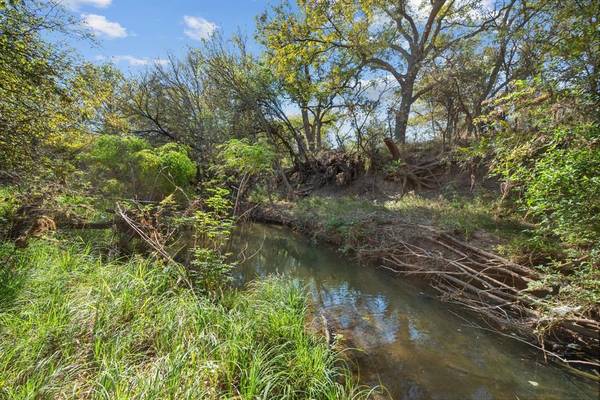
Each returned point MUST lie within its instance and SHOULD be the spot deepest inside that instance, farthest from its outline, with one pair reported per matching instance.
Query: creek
(407, 340)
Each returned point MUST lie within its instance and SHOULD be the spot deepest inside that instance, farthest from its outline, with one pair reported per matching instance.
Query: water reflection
(415, 345)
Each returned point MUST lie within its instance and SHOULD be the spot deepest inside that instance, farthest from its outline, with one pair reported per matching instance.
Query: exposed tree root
(332, 167)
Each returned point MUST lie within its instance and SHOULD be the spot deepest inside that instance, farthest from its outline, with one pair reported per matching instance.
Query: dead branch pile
(331, 167)
(418, 173)
(34, 219)
(146, 226)
(490, 285)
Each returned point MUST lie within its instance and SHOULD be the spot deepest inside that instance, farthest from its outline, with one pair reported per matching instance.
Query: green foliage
(115, 154)
(577, 288)
(74, 325)
(213, 223)
(8, 204)
(243, 157)
(563, 187)
(552, 166)
(210, 269)
(393, 166)
(129, 164)
(49, 101)
(545, 148)
(349, 221)
(242, 162)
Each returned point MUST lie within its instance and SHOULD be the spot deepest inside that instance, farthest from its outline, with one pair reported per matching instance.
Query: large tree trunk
(403, 112)
(318, 135)
(303, 154)
(308, 132)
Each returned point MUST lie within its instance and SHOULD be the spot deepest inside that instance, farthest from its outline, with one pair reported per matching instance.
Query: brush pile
(417, 173)
(331, 167)
(493, 287)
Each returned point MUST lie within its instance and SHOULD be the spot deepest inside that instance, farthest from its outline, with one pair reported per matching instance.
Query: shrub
(564, 190)
(557, 177)
(142, 171)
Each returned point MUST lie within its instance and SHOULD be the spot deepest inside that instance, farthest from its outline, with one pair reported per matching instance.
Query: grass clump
(73, 326)
(346, 220)
(464, 216)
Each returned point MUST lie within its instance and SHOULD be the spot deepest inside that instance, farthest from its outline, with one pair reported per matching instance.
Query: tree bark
(393, 149)
(308, 132)
(318, 136)
(403, 112)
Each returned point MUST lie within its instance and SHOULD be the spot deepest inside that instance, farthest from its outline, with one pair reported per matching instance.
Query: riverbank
(455, 248)
(400, 335)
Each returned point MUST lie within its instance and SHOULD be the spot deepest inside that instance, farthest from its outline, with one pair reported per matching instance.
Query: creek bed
(414, 345)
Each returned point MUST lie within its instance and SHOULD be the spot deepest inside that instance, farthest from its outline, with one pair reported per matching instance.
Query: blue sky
(132, 33)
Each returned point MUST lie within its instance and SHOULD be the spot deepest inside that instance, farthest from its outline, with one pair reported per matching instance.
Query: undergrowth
(74, 326)
(461, 216)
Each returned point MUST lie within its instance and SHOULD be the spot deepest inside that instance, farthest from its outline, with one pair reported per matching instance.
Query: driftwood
(417, 171)
(418, 174)
(34, 220)
(492, 286)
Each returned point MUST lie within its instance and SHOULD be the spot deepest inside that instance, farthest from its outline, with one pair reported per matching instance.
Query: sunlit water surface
(413, 344)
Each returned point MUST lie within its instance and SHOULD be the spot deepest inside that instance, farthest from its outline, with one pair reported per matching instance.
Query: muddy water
(416, 346)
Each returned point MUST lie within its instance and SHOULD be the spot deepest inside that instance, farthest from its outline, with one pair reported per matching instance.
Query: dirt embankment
(465, 271)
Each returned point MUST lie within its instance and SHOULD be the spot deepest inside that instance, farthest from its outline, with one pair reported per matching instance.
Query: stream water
(414, 345)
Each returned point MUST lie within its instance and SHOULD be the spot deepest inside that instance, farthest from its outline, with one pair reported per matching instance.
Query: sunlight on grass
(74, 327)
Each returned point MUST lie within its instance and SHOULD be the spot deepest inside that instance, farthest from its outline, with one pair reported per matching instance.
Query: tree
(248, 89)
(47, 99)
(569, 35)
(312, 77)
(398, 37)
(167, 103)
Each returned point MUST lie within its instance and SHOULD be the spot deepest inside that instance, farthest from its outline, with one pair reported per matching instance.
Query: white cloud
(198, 28)
(76, 4)
(132, 61)
(101, 26)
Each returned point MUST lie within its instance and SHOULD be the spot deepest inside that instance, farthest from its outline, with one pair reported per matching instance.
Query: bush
(142, 171)
(557, 178)
(564, 188)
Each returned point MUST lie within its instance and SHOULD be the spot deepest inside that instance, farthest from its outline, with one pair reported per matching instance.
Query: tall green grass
(73, 326)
